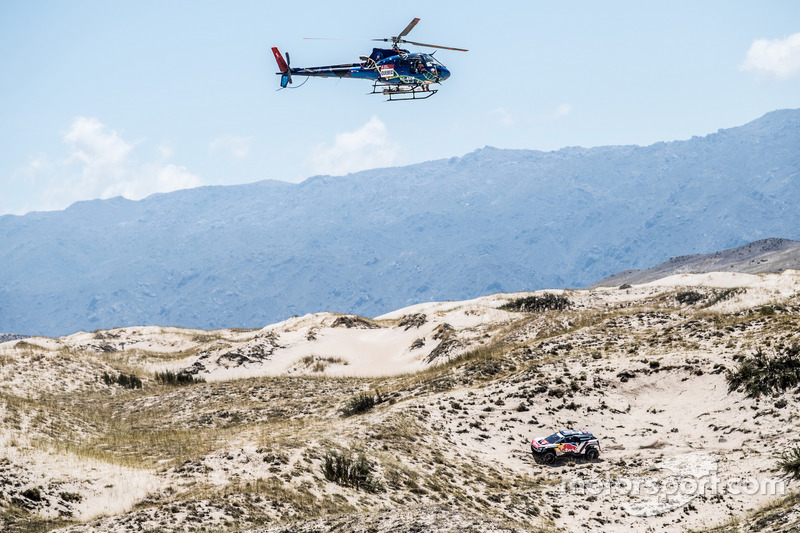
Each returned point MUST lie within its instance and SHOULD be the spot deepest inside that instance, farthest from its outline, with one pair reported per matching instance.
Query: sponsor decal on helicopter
(387, 71)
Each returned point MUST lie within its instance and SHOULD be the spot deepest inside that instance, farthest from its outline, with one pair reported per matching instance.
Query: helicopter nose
(443, 73)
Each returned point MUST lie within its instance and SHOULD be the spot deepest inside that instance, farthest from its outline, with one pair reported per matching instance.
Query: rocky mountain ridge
(763, 256)
(490, 221)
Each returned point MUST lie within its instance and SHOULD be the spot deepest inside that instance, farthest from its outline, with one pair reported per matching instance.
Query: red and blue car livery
(569, 442)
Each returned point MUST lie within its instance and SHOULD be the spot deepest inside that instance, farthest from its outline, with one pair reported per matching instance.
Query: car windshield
(552, 439)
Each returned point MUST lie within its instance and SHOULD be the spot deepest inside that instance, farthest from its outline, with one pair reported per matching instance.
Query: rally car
(569, 442)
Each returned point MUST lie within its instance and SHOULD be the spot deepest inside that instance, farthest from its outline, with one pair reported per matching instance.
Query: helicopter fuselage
(394, 72)
(400, 68)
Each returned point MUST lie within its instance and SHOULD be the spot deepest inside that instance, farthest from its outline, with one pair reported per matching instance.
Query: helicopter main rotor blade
(435, 46)
(333, 39)
(394, 40)
(408, 28)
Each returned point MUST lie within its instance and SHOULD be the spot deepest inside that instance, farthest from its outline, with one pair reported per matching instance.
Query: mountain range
(766, 255)
(366, 243)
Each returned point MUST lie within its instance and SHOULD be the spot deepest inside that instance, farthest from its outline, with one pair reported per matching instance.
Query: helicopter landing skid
(398, 93)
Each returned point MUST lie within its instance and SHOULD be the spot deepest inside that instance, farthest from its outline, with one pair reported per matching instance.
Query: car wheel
(549, 458)
(592, 454)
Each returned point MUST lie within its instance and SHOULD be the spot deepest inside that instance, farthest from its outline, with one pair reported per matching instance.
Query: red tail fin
(279, 58)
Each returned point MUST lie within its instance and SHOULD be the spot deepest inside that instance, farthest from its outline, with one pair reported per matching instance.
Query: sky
(131, 98)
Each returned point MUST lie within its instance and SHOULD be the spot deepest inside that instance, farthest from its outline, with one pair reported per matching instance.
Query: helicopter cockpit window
(432, 62)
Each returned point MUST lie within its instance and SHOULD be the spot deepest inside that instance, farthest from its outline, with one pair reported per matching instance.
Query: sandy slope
(642, 371)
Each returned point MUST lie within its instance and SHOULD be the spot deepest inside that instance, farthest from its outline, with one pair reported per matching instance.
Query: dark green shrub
(32, 494)
(177, 379)
(533, 304)
(766, 374)
(723, 294)
(347, 470)
(129, 381)
(689, 297)
(360, 403)
(790, 463)
(72, 497)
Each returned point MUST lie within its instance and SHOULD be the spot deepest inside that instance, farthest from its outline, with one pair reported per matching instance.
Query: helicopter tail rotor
(283, 66)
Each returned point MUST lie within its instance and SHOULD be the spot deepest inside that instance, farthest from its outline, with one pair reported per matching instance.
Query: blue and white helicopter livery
(395, 72)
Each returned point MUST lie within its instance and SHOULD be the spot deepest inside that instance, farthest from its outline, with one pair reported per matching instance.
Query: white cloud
(38, 164)
(502, 115)
(777, 58)
(370, 146)
(100, 164)
(238, 147)
(174, 177)
(165, 151)
(93, 145)
(562, 110)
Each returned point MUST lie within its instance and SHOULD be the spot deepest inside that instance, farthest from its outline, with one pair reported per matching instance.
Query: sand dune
(461, 388)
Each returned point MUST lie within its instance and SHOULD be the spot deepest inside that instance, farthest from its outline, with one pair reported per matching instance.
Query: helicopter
(395, 72)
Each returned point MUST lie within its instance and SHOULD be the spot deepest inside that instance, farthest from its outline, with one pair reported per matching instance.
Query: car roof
(574, 432)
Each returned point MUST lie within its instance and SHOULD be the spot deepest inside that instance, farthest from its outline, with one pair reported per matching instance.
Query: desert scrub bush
(71, 497)
(360, 403)
(204, 338)
(25, 345)
(33, 494)
(318, 364)
(532, 304)
(789, 463)
(177, 379)
(689, 297)
(724, 294)
(128, 381)
(766, 374)
(349, 470)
